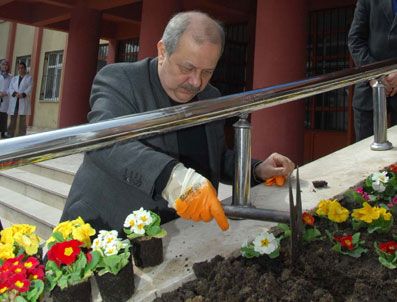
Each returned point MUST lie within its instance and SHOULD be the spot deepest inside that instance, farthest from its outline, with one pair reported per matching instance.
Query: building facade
(268, 42)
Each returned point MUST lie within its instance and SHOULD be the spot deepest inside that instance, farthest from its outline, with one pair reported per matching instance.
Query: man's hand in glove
(193, 197)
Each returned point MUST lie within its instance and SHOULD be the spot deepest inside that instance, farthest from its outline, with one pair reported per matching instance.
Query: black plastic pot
(77, 293)
(118, 287)
(147, 251)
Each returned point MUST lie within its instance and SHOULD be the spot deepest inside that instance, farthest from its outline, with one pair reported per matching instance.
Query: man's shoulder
(127, 67)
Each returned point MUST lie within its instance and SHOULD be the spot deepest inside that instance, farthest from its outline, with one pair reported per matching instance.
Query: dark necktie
(17, 104)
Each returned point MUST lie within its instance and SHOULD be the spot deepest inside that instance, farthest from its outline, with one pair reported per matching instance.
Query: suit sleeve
(359, 34)
(131, 162)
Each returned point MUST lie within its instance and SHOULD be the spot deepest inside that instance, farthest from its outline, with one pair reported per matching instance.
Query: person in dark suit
(173, 171)
(373, 37)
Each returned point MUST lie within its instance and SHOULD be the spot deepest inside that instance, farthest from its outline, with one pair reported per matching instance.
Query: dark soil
(77, 293)
(319, 274)
(118, 287)
(147, 251)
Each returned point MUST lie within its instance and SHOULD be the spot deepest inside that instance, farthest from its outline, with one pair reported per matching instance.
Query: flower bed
(348, 254)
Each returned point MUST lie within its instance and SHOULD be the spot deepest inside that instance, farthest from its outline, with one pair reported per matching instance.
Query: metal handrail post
(242, 160)
(380, 118)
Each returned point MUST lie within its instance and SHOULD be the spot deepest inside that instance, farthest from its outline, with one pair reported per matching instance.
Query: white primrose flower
(96, 244)
(130, 221)
(110, 237)
(143, 216)
(111, 249)
(139, 229)
(265, 243)
(379, 179)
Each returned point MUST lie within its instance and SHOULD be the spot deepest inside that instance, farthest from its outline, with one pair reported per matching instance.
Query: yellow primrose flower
(336, 212)
(30, 243)
(23, 228)
(65, 228)
(83, 234)
(322, 207)
(386, 215)
(7, 236)
(77, 222)
(366, 213)
(6, 251)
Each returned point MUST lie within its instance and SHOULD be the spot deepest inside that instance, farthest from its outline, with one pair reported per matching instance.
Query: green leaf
(356, 238)
(285, 228)
(311, 235)
(275, 253)
(249, 252)
(58, 237)
(387, 264)
(161, 234)
(21, 299)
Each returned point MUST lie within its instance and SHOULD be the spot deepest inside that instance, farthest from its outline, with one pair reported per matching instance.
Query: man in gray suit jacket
(372, 38)
(173, 171)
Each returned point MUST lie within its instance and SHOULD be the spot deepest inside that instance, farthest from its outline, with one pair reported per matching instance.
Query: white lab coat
(4, 86)
(24, 87)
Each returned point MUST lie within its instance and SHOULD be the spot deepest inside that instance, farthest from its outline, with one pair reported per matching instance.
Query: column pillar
(34, 68)
(279, 57)
(11, 42)
(155, 16)
(80, 65)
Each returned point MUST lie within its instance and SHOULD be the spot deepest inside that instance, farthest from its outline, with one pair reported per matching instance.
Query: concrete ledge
(190, 242)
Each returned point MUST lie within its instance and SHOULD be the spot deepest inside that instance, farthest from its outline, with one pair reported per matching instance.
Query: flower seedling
(387, 252)
(114, 252)
(376, 219)
(310, 233)
(332, 210)
(143, 223)
(350, 245)
(21, 280)
(18, 239)
(263, 244)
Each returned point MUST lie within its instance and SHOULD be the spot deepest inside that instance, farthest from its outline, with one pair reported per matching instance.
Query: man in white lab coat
(19, 108)
(5, 79)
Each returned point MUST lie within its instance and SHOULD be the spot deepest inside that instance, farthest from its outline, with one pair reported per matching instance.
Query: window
(328, 52)
(102, 56)
(22, 59)
(51, 76)
(128, 50)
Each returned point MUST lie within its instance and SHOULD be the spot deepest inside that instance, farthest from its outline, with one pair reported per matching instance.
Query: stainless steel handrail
(48, 145)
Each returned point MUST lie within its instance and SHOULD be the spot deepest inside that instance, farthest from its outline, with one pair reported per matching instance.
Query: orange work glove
(193, 197)
(278, 180)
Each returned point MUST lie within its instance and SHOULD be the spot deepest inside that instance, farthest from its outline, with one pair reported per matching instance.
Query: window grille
(327, 52)
(128, 50)
(52, 71)
(102, 56)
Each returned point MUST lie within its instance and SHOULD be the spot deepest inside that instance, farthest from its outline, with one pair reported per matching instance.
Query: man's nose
(195, 79)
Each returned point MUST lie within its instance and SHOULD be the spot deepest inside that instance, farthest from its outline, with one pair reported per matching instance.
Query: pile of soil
(319, 274)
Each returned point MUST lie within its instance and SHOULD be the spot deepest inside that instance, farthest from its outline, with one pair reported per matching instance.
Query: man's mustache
(190, 88)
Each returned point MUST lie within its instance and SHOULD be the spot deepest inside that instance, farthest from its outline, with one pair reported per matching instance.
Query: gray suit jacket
(372, 38)
(116, 180)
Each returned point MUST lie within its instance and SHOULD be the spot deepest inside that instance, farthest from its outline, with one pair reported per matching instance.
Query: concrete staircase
(36, 194)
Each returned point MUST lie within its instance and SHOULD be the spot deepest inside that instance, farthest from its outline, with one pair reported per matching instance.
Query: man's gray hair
(210, 30)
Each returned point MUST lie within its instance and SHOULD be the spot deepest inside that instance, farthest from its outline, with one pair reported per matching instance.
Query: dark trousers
(3, 122)
(17, 125)
(364, 122)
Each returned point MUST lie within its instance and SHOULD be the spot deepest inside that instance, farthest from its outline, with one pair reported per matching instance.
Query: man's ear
(161, 52)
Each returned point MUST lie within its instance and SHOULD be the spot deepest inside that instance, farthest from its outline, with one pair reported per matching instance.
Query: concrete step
(46, 190)
(18, 208)
(61, 169)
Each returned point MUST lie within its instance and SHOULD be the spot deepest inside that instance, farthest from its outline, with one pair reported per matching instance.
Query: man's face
(187, 71)
(4, 66)
(21, 70)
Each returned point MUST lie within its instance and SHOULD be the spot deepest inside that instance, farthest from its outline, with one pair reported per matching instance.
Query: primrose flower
(345, 241)
(139, 228)
(389, 247)
(110, 250)
(336, 212)
(322, 207)
(130, 221)
(369, 214)
(307, 218)
(360, 190)
(379, 180)
(265, 243)
(6, 251)
(143, 216)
